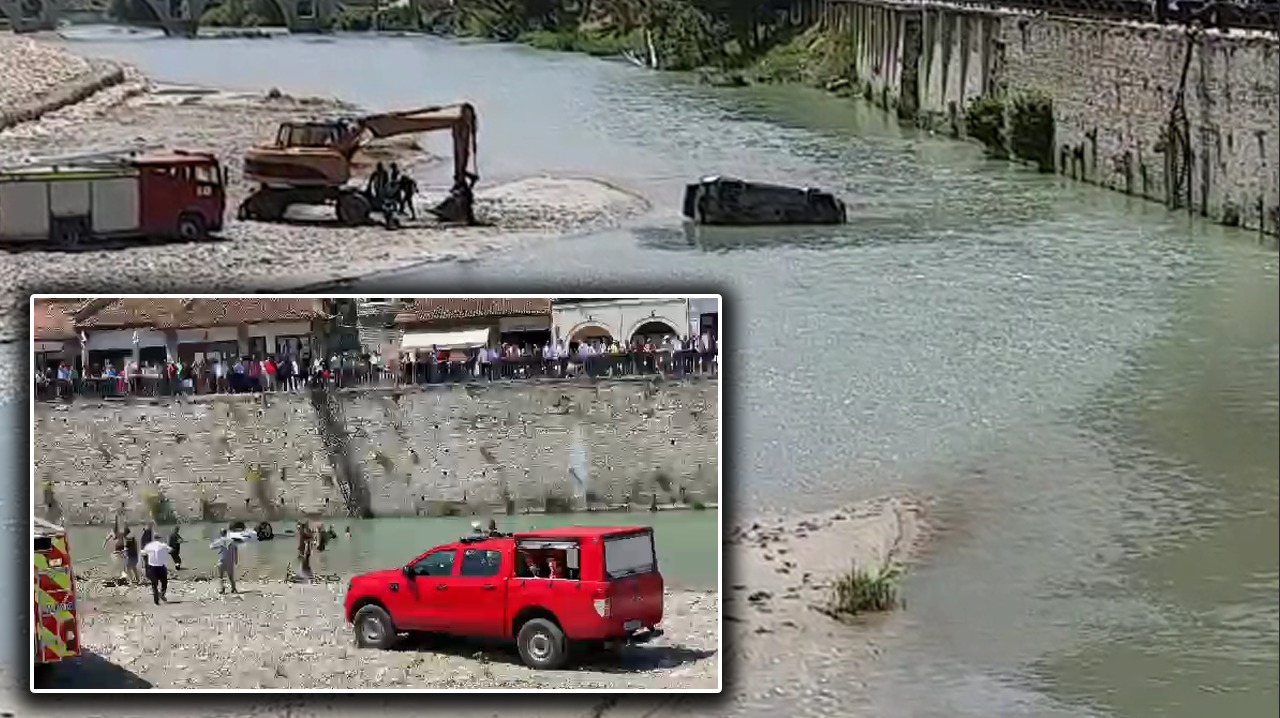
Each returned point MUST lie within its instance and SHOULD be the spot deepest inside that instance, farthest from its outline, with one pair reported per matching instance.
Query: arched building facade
(578, 320)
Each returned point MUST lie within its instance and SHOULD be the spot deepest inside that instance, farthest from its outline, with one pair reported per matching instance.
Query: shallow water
(686, 543)
(1086, 384)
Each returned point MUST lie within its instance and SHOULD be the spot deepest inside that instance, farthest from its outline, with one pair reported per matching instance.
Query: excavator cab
(311, 134)
(311, 163)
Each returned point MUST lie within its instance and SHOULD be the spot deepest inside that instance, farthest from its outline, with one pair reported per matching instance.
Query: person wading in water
(304, 548)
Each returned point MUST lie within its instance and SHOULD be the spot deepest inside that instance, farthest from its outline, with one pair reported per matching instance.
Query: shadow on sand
(629, 659)
(104, 245)
(89, 671)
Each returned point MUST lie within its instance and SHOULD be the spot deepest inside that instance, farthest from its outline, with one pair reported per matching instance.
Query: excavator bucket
(458, 207)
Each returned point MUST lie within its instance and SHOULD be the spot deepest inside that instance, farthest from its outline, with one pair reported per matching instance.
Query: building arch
(29, 15)
(582, 330)
(654, 326)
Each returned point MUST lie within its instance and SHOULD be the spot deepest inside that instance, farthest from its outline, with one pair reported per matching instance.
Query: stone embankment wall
(431, 450)
(37, 78)
(1188, 118)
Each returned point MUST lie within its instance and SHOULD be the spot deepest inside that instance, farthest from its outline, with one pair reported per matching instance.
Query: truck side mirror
(408, 570)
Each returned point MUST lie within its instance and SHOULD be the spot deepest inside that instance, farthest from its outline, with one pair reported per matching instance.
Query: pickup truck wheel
(374, 628)
(542, 645)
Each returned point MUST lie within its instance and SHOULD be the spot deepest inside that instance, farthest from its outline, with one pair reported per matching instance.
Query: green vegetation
(159, 507)
(396, 18)
(595, 42)
(243, 13)
(864, 591)
(984, 121)
(670, 34)
(1031, 129)
(1020, 127)
(813, 57)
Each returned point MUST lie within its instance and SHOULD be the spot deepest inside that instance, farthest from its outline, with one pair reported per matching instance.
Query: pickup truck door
(478, 594)
(430, 606)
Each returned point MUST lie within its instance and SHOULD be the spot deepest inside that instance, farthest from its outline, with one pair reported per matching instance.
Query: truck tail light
(603, 604)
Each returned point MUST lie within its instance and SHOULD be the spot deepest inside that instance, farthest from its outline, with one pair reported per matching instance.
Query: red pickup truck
(549, 591)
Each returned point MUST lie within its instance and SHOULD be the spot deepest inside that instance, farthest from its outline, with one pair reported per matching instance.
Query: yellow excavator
(310, 163)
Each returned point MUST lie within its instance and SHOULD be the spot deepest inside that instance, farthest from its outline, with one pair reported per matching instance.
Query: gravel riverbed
(286, 635)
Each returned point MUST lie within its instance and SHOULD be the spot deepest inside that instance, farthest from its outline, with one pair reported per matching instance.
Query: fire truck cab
(57, 635)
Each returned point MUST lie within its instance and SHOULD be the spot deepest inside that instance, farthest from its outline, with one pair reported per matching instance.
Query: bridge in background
(175, 17)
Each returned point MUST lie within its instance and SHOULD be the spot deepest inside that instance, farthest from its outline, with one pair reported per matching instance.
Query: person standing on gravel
(147, 534)
(115, 540)
(227, 550)
(175, 543)
(131, 558)
(156, 554)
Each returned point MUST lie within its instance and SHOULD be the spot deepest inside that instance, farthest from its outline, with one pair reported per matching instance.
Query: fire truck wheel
(374, 628)
(542, 645)
(353, 209)
(191, 227)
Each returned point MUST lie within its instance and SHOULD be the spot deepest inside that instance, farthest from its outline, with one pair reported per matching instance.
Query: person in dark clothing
(377, 188)
(131, 557)
(175, 546)
(406, 189)
(147, 535)
(322, 539)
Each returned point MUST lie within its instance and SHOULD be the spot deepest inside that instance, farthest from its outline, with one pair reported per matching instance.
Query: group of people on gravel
(150, 557)
(132, 558)
(391, 192)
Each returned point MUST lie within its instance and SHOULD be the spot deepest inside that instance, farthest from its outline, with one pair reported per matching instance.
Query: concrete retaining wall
(1114, 87)
(257, 456)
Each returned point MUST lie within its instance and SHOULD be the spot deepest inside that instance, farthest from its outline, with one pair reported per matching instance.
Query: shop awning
(49, 346)
(457, 339)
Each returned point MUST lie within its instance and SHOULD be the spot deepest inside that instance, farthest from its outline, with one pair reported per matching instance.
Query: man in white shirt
(157, 557)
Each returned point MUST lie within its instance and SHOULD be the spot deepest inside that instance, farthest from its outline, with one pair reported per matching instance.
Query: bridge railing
(666, 364)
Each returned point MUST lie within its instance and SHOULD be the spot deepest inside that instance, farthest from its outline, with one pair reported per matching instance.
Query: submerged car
(729, 201)
(548, 591)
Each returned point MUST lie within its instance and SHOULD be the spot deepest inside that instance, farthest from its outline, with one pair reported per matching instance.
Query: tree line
(669, 34)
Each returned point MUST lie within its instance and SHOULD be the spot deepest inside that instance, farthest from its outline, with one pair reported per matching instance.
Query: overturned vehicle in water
(729, 201)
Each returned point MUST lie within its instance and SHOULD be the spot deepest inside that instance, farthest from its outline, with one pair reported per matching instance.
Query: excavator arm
(459, 119)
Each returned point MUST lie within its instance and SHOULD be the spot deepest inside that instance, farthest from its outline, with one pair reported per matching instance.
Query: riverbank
(281, 635)
(284, 635)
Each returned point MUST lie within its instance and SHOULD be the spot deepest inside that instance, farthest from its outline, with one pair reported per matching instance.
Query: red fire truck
(158, 194)
(57, 635)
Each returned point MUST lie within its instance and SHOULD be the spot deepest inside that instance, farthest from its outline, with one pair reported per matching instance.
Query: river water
(686, 543)
(1085, 384)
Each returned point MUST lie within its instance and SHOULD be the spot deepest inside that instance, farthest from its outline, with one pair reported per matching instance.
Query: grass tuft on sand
(861, 590)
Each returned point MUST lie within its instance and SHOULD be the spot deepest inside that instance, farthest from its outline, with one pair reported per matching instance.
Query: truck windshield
(629, 555)
(208, 174)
